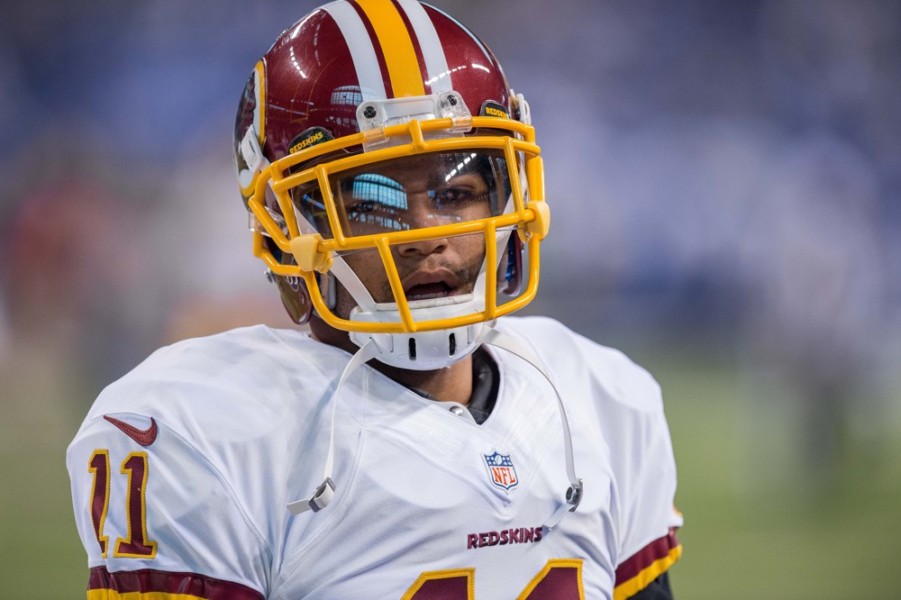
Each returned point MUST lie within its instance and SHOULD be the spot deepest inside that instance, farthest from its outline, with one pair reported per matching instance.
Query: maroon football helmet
(348, 95)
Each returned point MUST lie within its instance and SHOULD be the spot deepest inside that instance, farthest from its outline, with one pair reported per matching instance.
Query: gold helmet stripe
(259, 111)
(438, 78)
(397, 47)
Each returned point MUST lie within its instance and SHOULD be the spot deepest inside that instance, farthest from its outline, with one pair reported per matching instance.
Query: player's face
(414, 193)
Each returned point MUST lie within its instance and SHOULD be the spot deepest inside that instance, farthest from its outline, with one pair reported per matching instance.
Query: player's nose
(420, 216)
(422, 247)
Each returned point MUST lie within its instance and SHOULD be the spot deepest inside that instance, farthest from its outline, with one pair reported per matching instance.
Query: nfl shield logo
(501, 471)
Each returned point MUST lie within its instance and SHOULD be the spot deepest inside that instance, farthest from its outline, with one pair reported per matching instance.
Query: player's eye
(457, 197)
(367, 216)
(358, 209)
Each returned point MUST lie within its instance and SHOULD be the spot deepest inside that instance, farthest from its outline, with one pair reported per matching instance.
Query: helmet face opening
(408, 193)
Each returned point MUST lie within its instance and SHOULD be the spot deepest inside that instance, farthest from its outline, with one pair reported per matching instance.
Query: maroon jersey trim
(146, 581)
(660, 549)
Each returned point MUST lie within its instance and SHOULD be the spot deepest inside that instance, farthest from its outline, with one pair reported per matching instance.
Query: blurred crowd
(721, 173)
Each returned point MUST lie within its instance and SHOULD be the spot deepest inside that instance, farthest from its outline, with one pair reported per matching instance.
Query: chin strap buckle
(573, 498)
(321, 497)
(326, 490)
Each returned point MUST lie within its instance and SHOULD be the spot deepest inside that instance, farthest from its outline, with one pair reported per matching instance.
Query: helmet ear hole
(292, 290)
(295, 298)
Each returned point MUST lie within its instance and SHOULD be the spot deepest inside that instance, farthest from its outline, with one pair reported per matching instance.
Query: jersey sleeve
(648, 544)
(157, 519)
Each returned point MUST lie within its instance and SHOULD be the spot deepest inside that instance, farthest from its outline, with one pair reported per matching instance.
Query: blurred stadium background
(724, 179)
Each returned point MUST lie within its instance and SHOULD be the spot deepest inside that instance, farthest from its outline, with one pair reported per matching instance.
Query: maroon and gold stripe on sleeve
(149, 584)
(646, 565)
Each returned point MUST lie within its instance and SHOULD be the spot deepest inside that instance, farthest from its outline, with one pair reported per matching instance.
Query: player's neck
(450, 384)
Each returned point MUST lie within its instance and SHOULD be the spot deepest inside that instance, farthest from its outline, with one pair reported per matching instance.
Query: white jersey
(182, 471)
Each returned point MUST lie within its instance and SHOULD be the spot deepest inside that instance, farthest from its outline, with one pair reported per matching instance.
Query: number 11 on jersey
(135, 544)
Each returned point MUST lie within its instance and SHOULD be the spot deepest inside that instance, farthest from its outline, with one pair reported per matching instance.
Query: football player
(413, 441)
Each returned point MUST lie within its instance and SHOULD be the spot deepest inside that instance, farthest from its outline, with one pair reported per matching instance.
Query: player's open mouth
(425, 285)
(428, 291)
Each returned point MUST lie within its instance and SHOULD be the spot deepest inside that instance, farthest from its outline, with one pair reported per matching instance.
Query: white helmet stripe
(366, 63)
(432, 50)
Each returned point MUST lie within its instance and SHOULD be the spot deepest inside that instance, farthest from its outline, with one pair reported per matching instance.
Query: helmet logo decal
(501, 471)
(310, 137)
(490, 108)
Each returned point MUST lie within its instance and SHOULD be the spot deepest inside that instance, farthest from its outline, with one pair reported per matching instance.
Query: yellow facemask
(310, 246)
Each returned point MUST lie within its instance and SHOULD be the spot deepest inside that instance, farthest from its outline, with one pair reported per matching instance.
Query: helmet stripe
(259, 111)
(397, 46)
(432, 51)
(366, 63)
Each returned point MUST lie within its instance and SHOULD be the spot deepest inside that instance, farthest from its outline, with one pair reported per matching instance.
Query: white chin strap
(428, 350)
(324, 493)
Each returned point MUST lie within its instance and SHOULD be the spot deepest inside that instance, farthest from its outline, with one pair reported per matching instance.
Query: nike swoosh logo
(145, 437)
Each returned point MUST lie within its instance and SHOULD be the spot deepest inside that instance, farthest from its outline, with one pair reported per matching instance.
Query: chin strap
(495, 338)
(325, 491)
